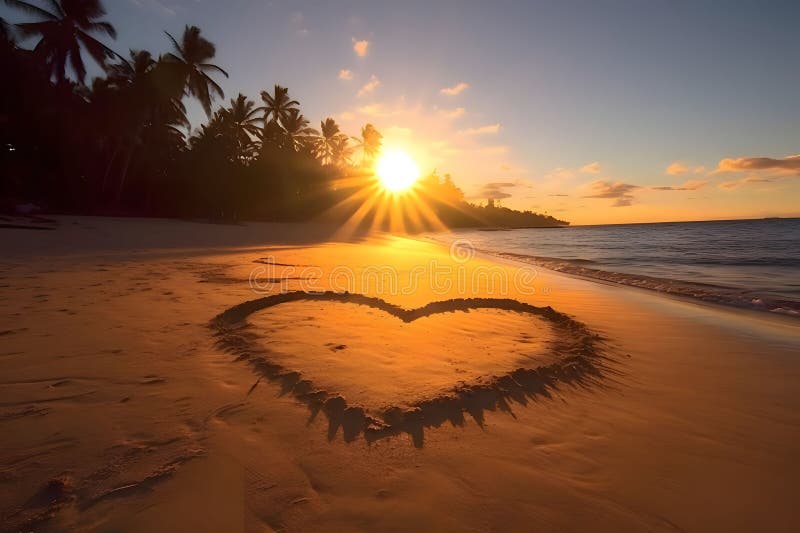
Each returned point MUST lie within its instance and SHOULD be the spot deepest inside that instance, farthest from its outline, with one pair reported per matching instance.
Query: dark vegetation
(121, 145)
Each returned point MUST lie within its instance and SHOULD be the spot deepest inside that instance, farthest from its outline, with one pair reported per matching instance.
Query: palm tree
(342, 151)
(126, 73)
(146, 105)
(192, 56)
(64, 31)
(329, 130)
(242, 117)
(296, 133)
(371, 143)
(334, 146)
(239, 123)
(5, 31)
(278, 105)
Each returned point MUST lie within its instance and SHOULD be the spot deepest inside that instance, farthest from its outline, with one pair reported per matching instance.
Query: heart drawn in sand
(378, 369)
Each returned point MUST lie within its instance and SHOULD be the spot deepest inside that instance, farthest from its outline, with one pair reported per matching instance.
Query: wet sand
(126, 405)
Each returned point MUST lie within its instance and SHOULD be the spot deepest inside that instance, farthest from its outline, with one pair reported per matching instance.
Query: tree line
(121, 144)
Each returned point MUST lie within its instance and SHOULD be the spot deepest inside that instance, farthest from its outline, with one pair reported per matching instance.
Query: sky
(594, 112)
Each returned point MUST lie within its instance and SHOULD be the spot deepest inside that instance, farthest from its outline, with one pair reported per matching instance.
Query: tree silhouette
(119, 146)
(144, 96)
(296, 133)
(240, 122)
(192, 56)
(370, 143)
(64, 31)
(332, 148)
(278, 105)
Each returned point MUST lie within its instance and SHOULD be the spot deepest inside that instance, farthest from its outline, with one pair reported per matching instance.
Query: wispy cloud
(790, 163)
(158, 5)
(560, 173)
(489, 129)
(458, 88)
(374, 110)
(678, 168)
(345, 74)
(495, 190)
(621, 193)
(453, 113)
(495, 150)
(370, 86)
(758, 170)
(691, 185)
(298, 21)
(436, 142)
(360, 47)
(735, 184)
(591, 168)
(399, 130)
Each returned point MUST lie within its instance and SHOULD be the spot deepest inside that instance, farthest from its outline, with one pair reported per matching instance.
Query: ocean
(745, 263)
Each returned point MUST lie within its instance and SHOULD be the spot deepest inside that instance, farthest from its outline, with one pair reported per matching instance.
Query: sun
(396, 171)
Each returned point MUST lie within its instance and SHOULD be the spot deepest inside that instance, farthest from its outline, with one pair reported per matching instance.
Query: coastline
(720, 265)
(146, 420)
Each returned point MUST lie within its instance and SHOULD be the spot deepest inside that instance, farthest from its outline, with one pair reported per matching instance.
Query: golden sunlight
(396, 171)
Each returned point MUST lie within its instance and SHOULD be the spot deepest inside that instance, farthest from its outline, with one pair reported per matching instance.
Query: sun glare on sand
(396, 171)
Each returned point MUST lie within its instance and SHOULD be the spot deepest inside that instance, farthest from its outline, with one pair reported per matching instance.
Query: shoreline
(122, 410)
(718, 295)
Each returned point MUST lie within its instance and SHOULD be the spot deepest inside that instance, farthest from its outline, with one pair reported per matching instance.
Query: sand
(137, 394)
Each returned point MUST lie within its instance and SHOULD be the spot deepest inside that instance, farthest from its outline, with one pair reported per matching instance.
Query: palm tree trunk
(109, 166)
(127, 163)
(124, 172)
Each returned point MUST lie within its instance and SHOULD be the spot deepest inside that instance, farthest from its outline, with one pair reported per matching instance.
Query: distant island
(121, 144)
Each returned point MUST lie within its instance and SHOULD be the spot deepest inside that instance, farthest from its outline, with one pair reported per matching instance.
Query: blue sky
(593, 111)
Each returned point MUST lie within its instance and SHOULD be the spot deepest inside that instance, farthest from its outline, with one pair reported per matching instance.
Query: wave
(706, 292)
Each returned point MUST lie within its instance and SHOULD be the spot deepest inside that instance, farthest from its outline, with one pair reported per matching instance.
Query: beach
(135, 394)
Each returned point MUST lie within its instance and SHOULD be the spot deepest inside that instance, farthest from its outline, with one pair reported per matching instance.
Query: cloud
(790, 164)
(458, 88)
(621, 192)
(495, 150)
(691, 185)
(298, 21)
(360, 47)
(345, 74)
(373, 110)
(560, 173)
(677, 168)
(482, 130)
(399, 130)
(591, 168)
(436, 142)
(731, 185)
(158, 5)
(369, 86)
(558, 195)
(453, 113)
(495, 190)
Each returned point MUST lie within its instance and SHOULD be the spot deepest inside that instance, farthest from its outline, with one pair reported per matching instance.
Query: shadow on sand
(576, 351)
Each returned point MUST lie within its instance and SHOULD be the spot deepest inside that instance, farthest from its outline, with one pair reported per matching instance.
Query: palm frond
(104, 27)
(176, 45)
(209, 66)
(29, 29)
(77, 61)
(31, 8)
(214, 86)
(55, 5)
(96, 49)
